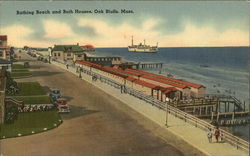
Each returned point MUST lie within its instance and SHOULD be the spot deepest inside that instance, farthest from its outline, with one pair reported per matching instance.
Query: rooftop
(3, 37)
(68, 48)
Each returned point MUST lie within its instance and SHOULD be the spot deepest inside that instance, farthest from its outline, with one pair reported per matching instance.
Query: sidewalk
(194, 136)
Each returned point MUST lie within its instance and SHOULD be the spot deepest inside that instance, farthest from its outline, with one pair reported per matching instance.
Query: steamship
(143, 48)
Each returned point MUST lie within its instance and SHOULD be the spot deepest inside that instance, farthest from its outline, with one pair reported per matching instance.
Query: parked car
(62, 106)
(60, 101)
(63, 109)
(54, 94)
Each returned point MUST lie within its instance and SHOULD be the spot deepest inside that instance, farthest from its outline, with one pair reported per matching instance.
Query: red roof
(165, 82)
(3, 47)
(88, 46)
(144, 83)
(125, 74)
(170, 89)
(129, 78)
(167, 78)
(3, 37)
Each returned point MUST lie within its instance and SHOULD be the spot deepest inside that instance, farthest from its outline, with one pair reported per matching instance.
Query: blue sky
(169, 23)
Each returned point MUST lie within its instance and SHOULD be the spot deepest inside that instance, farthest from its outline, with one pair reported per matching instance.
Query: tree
(11, 84)
(11, 112)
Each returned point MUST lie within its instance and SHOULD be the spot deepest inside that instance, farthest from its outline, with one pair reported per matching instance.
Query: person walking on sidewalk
(209, 135)
(217, 134)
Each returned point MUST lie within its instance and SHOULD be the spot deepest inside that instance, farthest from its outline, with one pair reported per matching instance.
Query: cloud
(104, 34)
(56, 30)
(118, 35)
(17, 34)
(207, 36)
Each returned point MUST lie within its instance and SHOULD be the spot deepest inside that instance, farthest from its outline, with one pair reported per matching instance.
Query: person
(209, 135)
(217, 134)
(221, 137)
(67, 66)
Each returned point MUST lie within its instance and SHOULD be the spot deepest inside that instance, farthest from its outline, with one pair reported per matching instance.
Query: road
(98, 125)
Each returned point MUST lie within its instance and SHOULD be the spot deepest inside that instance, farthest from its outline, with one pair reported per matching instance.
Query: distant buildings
(88, 48)
(4, 49)
(69, 53)
(5, 64)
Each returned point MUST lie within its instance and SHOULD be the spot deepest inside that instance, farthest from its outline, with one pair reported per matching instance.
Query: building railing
(227, 136)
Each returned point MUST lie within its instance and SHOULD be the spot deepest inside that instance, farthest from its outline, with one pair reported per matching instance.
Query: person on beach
(217, 134)
(209, 135)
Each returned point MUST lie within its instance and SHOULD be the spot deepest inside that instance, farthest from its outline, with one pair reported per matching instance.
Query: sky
(171, 24)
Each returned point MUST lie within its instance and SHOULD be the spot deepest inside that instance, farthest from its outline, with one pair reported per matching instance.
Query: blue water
(227, 72)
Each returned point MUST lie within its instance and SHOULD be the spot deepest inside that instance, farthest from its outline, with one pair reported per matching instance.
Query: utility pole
(166, 124)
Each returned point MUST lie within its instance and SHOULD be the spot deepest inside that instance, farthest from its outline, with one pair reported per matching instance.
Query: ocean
(222, 70)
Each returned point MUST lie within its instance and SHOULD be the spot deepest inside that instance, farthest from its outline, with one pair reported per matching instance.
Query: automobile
(63, 109)
(62, 106)
(54, 94)
(60, 101)
(45, 60)
(39, 58)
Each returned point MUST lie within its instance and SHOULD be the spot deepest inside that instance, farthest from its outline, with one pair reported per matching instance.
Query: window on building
(54, 54)
(1, 54)
(68, 54)
(79, 55)
(59, 54)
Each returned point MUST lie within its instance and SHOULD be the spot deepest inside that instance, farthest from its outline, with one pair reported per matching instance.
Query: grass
(21, 74)
(28, 122)
(30, 89)
(20, 70)
(34, 100)
(18, 66)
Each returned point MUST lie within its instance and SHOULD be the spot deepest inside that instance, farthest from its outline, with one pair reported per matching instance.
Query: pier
(220, 109)
(141, 65)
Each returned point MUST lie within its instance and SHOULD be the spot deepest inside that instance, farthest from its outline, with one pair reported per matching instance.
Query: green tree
(11, 84)
(11, 112)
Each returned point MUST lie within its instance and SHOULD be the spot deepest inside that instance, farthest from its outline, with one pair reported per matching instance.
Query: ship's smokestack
(132, 41)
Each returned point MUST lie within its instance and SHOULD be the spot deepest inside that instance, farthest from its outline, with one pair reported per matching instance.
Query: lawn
(20, 74)
(18, 66)
(28, 122)
(20, 70)
(30, 89)
(34, 100)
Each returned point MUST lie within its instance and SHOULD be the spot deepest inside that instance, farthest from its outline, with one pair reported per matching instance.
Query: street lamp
(166, 124)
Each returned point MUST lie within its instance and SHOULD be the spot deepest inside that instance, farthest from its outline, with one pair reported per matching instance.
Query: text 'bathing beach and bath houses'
(185, 100)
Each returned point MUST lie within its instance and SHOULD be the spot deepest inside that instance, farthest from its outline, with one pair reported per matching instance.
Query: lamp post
(166, 124)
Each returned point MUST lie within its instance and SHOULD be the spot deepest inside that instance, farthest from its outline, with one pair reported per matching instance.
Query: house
(4, 49)
(67, 53)
(5, 64)
(88, 48)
